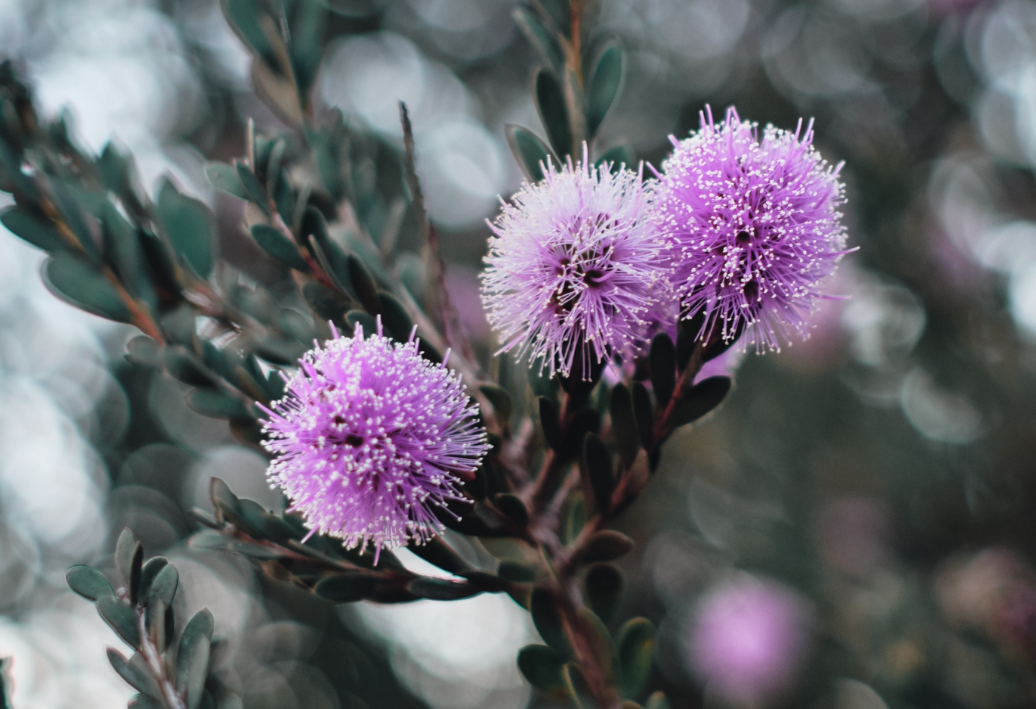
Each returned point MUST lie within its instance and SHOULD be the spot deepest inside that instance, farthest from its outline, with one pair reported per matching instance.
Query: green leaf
(347, 587)
(164, 586)
(541, 383)
(604, 584)
(573, 683)
(363, 284)
(134, 673)
(365, 320)
(35, 229)
(192, 657)
(325, 303)
(245, 17)
(549, 422)
(149, 572)
(624, 424)
(307, 33)
(532, 154)
(183, 365)
(512, 507)
(517, 572)
(700, 400)
(558, 12)
(79, 283)
(543, 39)
(636, 642)
(225, 501)
(122, 247)
(500, 400)
(129, 556)
(441, 589)
(617, 157)
(550, 104)
(597, 467)
(605, 85)
(278, 246)
(644, 413)
(225, 179)
(66, 198)
(189, 226)
(606, 545)
(439, 553)
(394, 317)
(600, 643)
(117, 171)
(687, 332)
(663, 368)
(547, 619)
(255, 191)
(216, 404)
(88, 582)
(121, 618)
(542, 668)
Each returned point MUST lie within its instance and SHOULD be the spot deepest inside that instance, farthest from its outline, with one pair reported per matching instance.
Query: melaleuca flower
(753, 227)
(574, 267)
(369, 438)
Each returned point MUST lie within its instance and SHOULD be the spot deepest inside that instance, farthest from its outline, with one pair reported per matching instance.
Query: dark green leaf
(184, 366)
(126, 553)
(663, 368)
(439, 553)
(225, 179)
(600, 643)
(149, 572)
(517, 572)
(88, 582)
(143, 350)
(66, 197)
(123, 248)
(326, 303)
(500, 400)
(441, 589)
(164, 587)
(721, 345)
(559, 13)
(365, 320)
(574, 682)
(687, 333)
(543, 39)
(79, 283)
(35, 229)
(700, 400)
(597, 467)
(134, 674)
(636, 642)
(216, 404)
(394, 317)
(606, 545)
(584, 422)
(532, 154)
(189, 226)
(142, 701)
(624, 424)
(274, 243)
(246, 18)
(542, 666)
(549, 422)
(225, 501)
(512, 507)
(604, 584)
(547, 619)
(346, 588)
(644, 414)
(307, 33)
(363, 285)
(541, 383)
(618, 156)
(550, 103)
(605, 85)
(192, 657)
(122, 619)
(253, 188)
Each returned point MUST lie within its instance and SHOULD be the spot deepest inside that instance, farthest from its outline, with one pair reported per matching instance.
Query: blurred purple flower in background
(748, 639)
(574, 267)
(370, 437)
(753, 227)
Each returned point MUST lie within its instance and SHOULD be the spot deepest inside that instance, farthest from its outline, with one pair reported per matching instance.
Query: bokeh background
(854, 529)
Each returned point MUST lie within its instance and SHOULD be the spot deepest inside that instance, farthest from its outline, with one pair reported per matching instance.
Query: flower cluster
(740, 229)
(370, 437)
(572, 269)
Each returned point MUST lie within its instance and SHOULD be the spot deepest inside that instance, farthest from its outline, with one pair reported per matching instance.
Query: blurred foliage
(882, 470)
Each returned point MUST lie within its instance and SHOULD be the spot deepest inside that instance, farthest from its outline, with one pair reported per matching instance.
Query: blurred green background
(879, 480)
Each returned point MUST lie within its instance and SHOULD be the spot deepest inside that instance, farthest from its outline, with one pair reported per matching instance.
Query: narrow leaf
(636, 642)
(606, 545)
(700, 400)
(33, 228)
(542, 668)
(550, 104)
(663, 368)
(274, 243)
(624, 424)
(88, 582)
(190, 227)
(225, 179)
(604, 584)
(597, 467)
(547, 619)
(605, 85)
(79, 283)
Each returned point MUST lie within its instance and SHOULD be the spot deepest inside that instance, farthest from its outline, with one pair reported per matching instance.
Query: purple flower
(369, 437)
(574, 267)
(753, 227)
(749, 639)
